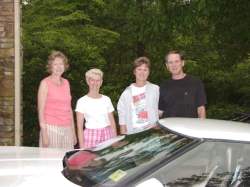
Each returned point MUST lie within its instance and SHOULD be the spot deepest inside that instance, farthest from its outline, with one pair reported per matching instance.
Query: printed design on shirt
(139, 103)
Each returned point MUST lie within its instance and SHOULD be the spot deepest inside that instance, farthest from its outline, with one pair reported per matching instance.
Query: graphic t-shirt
(139, 112)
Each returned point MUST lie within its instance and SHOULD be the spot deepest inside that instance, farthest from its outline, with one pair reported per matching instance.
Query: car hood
(31, 166)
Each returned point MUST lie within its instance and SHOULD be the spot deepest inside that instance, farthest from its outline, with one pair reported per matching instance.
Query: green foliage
(240, 83)
(59, 25)
(231, 20)
(214, 35)
(224, 111)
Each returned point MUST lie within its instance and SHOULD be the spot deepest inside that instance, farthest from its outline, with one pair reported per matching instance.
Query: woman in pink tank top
(55, 114)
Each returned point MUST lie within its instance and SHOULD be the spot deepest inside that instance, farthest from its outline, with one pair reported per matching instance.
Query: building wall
(7, 65)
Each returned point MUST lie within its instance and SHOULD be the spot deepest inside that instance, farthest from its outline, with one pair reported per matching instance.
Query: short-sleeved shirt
(95, 111)
(182, 97)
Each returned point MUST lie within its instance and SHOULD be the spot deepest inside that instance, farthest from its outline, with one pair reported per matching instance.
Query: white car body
(208, 128)
(184, 151)
(32, 166)
(205, 129)
(40, 167)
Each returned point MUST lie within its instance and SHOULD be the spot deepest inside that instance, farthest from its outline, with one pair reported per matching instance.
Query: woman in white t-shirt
(138, 104)
(94, 111)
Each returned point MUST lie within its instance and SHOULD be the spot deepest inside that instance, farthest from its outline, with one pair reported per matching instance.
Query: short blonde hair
(57, 54)
(92, 72)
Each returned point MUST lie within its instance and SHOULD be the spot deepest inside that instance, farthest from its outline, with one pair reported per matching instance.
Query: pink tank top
(58, 104)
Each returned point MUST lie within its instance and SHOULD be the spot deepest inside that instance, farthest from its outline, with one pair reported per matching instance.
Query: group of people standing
(139, 107)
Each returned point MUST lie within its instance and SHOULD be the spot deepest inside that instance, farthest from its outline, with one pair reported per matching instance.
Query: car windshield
(124, 160)
(211, 163)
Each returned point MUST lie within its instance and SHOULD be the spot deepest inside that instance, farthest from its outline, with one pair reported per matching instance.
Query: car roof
(32, 166)
(208, 128)
(30, 153)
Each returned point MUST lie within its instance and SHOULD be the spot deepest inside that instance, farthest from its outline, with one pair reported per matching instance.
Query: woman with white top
(138, 104)
(94, 113)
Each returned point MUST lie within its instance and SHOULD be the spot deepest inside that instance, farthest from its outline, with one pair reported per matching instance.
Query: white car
(180, 152)
(32, 167)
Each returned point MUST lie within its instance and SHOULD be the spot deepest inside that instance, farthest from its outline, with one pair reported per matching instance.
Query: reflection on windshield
(211, 164)
(137, 152)
(225, 179)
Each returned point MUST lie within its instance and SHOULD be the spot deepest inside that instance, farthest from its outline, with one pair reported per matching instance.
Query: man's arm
(201, 110)
(201, 100)
(160, 113)
(161, 103)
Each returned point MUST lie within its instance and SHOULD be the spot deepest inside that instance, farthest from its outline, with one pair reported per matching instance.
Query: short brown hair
(57, 54)
(174, 52)
(141, 60)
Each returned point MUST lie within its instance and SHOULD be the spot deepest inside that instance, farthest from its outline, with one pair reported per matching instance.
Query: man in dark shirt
(183, 95)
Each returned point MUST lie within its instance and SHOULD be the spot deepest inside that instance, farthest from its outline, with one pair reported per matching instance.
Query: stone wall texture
(7, 52)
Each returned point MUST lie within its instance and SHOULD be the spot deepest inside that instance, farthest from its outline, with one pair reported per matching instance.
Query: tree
(110, 34)
(65, 26)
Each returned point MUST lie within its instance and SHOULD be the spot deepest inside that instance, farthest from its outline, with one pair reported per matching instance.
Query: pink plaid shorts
(93, 137)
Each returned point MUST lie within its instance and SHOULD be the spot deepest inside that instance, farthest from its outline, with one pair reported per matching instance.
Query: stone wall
(7, 52)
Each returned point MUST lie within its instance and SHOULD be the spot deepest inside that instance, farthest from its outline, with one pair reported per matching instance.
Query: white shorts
(59, 137)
